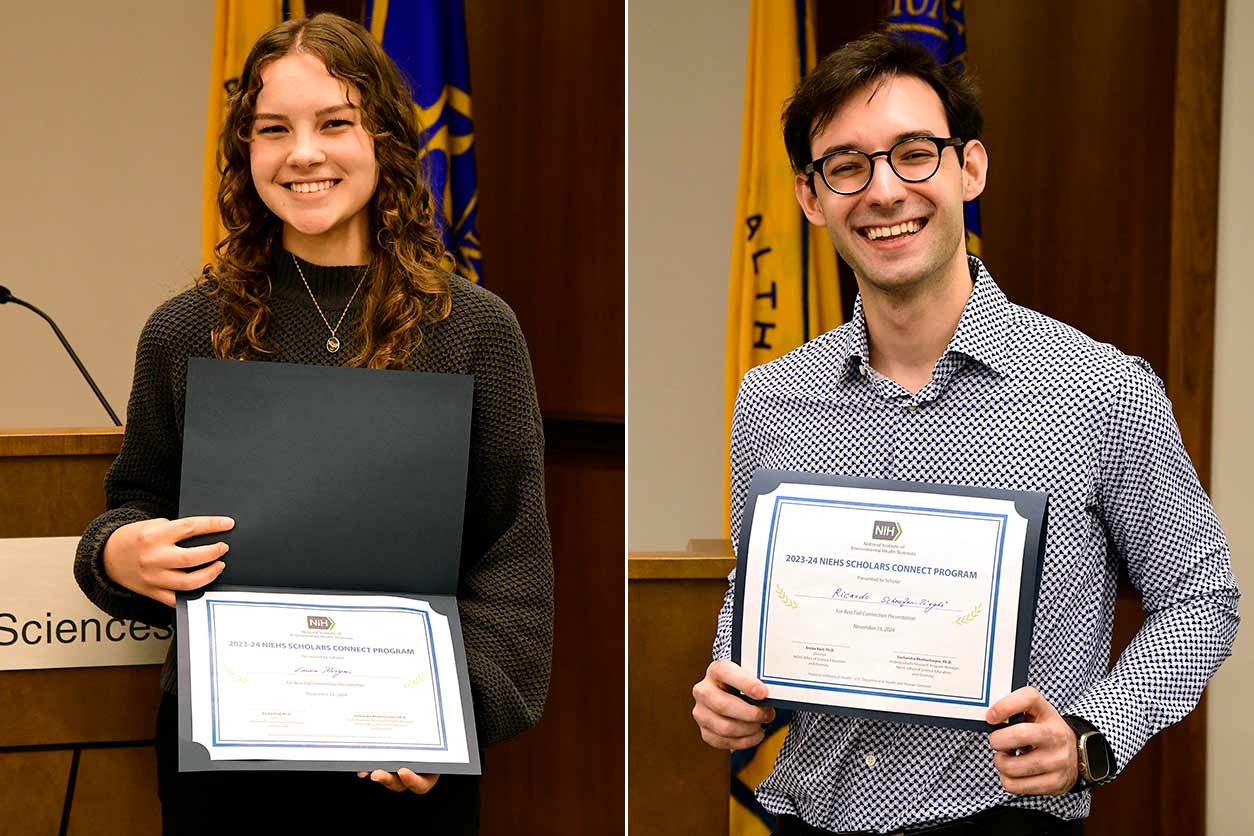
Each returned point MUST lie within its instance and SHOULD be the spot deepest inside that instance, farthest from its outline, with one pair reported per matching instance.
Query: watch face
(1095, 754)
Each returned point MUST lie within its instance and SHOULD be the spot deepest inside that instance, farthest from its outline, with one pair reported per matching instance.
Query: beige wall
(686, 67)
(101, 153)
(1230, 738)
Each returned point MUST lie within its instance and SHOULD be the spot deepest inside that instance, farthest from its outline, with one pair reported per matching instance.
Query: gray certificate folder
(341, 480)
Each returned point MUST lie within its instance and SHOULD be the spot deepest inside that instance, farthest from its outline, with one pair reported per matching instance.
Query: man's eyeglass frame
(941, 142)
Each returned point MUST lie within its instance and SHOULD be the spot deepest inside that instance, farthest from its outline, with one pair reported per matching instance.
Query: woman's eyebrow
(279, 117)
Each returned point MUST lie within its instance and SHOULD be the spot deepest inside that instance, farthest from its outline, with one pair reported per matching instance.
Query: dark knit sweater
(506, 583)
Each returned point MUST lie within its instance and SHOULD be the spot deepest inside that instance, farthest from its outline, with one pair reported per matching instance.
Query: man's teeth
(909, 227)
(320, 186)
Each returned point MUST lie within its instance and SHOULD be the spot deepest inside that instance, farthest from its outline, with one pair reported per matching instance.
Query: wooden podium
(76, 752)
(678, 784)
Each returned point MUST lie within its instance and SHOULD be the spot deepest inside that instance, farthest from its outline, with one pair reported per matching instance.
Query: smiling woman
(312, 163)
(329, 225)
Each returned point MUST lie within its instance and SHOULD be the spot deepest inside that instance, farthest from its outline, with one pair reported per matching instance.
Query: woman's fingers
(406, 780)
(185, 527)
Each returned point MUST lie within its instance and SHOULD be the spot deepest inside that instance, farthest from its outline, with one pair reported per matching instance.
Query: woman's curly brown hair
(407, 286)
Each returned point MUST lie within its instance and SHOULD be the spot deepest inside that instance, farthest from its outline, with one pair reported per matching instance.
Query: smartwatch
(1096, 760)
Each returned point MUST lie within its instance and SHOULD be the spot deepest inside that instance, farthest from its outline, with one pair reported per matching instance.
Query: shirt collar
(982, 333)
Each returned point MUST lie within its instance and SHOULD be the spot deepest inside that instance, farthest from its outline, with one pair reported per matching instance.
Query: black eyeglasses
(848, 171)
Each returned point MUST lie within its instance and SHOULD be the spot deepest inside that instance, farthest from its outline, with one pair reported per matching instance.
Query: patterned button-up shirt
(1018, 401)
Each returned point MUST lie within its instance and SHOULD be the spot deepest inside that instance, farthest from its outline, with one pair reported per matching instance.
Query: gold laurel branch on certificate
(233, 675)
(415, 682)
(971, 616)
(783, 596)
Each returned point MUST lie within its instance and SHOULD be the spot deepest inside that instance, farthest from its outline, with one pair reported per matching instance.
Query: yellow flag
(784, 288)
(236, 27)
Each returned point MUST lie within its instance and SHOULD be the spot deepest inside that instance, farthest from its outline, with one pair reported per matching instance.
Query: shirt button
(862, 369)
(871, 760)
(913, 407)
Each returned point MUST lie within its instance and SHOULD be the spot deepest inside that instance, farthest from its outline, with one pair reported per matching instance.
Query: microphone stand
(6, 296)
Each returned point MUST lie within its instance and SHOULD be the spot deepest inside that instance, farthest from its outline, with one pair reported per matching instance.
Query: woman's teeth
(319, 186)
(907, 228)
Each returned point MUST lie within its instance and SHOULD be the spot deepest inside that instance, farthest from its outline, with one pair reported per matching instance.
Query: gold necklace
(333, 342)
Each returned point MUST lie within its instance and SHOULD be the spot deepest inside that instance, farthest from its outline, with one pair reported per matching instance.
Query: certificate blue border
(990, 635)
(442, 746)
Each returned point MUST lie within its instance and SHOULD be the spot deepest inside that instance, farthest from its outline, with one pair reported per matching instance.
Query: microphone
(6, 296)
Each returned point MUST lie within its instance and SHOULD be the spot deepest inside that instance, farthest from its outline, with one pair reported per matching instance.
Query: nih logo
(885, 530)
(319, 622)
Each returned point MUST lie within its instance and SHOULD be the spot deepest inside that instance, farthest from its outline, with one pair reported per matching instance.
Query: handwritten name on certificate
(323, 677)
(881, 600)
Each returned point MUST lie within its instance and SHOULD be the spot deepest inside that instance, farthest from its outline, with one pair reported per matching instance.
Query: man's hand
(727, 721)
(403, 781)
(1048, 763)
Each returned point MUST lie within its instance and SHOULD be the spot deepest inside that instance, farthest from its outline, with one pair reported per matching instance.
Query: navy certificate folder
(337, 478)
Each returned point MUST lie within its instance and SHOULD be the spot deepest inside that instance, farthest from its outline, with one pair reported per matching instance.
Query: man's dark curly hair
(873, 60)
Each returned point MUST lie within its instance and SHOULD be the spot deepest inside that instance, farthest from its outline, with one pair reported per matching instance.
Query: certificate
(300, 680)
(885, 599)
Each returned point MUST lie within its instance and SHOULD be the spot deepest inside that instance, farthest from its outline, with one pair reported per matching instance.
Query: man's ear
(974, 169)
(808, 199)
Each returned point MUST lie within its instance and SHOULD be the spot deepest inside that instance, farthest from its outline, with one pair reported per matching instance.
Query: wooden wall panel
(547, 87)
(32, 791)
(1194, 221)
(1078, 124)
(115, 794)
(566, 775)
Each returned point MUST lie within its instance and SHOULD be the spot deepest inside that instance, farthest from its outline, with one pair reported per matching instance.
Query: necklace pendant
(333, 344)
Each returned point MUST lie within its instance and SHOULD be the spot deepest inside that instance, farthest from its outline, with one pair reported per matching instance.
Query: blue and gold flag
(940, 27)
(427, 40)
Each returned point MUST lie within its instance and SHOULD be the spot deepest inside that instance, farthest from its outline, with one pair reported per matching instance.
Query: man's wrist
(1095, 758)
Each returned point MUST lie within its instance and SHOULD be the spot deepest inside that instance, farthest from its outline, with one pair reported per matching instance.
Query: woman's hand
(402, 781)
(144, 556)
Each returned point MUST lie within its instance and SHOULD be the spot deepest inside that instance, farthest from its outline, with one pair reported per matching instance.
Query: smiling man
(938, 378)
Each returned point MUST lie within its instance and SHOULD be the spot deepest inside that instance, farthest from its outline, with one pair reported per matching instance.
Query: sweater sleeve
(506, 587)
(142, 482)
